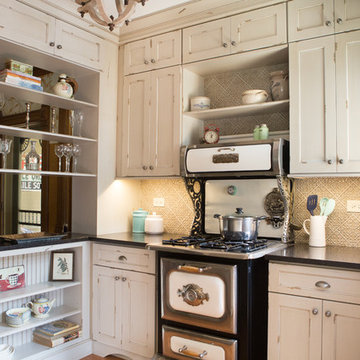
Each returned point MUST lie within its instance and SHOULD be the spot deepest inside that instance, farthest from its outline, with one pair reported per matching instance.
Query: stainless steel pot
(239, 226)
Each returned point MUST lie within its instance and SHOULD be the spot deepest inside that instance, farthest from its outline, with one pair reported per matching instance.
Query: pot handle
(221, 224)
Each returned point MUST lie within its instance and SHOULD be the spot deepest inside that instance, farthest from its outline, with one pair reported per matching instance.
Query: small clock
(211, 134)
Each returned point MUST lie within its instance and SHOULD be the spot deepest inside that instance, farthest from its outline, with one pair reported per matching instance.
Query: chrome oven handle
(227, 148)
(184, 350)
(192, 269)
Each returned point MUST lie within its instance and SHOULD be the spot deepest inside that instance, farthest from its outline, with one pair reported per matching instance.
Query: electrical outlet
(158, 202)
(353, 206)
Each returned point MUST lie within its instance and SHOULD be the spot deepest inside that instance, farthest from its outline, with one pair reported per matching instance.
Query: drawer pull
(193, 269)
(122, 258)
(322, 285)
(184, 350)
(328, 313)
(315, 311)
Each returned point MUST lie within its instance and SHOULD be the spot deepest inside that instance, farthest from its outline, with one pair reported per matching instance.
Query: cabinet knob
(122, 258)
(315, 311)
(330, 162)
(328, 23)
(328, 313)
(123, 279)
(151, 167)
(153, 61)
(322, 285)
(339, 20)
(341, 161)
(146, 62)
(144, 167)
(52, 44)
(233, 43)
(225, 45)
(59, 47)
(117, 278)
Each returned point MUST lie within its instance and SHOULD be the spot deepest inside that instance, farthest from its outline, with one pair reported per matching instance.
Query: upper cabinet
(313, 18)
(45, 33)
(154, 53)
(247, 31)
(324, 121)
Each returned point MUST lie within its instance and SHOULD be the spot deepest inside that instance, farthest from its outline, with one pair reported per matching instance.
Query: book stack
(56, 333)
(21, 79)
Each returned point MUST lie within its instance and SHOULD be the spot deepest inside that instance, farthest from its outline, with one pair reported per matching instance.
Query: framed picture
(62, 266)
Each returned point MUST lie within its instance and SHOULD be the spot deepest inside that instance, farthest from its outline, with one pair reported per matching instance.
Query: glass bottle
(263, 132)
(32, 159)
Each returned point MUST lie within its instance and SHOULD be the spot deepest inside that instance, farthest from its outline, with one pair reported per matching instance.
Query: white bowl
(200, 103)
(6, 352)
(18, 316)
(254, 97)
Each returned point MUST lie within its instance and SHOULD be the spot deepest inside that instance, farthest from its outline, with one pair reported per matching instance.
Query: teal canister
(139, 220)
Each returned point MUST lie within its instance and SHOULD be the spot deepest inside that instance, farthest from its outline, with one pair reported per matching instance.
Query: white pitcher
(317, 230)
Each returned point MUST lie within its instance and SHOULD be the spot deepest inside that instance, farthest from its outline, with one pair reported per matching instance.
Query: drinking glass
(72, 119)
(79, 121)
(75, 155)
(59, 152)
(67, 154)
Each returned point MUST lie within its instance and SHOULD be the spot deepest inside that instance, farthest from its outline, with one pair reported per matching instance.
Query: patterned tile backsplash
(342, 228)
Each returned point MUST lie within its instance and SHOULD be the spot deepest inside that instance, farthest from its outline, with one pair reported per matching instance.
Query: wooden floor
(95, 357)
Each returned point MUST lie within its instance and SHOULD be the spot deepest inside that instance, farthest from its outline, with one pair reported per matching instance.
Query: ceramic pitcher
(317, 230)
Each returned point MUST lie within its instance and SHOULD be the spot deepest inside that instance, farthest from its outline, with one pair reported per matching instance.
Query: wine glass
(59, 152)
(5, 148)
(75, 153)
(79, 121)
(67, 154)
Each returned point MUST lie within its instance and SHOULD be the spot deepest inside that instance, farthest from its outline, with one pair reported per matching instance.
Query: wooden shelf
(241, 110)
(42, 135)
(54, 173)
(55, 314)
(45, 98)
(36, 289)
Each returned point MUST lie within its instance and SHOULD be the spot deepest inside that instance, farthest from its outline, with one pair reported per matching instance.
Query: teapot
(40, 307)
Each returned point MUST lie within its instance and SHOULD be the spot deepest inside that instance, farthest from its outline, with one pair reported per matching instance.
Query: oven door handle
(184, 350)
(192, 269)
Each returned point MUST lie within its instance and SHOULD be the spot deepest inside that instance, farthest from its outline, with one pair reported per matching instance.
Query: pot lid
(154, 216)
(239, 214)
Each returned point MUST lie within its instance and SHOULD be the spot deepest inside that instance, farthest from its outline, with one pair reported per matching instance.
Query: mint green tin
(139, 220)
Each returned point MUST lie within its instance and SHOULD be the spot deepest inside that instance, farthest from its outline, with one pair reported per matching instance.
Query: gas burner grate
(185, 241)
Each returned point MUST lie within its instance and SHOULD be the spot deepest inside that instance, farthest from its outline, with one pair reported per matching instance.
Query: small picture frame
(62, 266)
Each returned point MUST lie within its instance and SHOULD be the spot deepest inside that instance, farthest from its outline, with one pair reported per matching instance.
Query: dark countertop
(334, 256)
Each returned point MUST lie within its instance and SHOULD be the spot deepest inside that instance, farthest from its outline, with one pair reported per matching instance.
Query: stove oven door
(199, 294)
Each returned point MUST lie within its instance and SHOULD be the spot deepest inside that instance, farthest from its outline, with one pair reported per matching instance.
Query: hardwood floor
(95, 357)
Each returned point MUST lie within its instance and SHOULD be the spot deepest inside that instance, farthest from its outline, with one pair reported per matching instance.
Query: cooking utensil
(322, 203)
(312, 203)
(330, 206)
(238, 226)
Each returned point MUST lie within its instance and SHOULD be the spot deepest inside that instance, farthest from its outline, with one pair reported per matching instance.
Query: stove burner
(218, 243)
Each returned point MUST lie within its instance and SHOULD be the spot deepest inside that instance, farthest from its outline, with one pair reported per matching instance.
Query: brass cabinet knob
(328, 313)
(153, 61)
(144, 167)
(225, 45)
(315, 311)
(151, 167)
(117, 278)
(123, 279)
(233, 43)
(330, 162)
(339, 20)
(328, 23)
(52, 44)
(146, 62)
(59, 47)
(341, 161)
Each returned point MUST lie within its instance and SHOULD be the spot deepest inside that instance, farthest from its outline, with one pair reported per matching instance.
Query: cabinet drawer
(124, 258)
(330, 284)
(181, 344)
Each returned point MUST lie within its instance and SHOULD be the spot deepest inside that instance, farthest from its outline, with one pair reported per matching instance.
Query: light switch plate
(158, 202)
(353, 206)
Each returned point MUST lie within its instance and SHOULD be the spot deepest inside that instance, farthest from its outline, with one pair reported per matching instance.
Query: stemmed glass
(5, 148)
(79, 121)
(59, 152)
(67, 154)
(75, 155)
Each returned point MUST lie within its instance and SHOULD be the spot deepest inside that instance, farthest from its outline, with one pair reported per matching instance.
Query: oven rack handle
(184, 350)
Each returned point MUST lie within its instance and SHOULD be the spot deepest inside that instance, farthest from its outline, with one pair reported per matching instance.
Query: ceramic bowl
(18, 316)
(6, 352)
(200, 103)
(254, 97)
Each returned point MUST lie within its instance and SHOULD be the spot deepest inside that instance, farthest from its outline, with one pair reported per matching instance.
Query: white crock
(154, 224)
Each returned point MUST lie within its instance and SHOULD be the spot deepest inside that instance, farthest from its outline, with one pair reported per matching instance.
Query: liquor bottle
(32, 159)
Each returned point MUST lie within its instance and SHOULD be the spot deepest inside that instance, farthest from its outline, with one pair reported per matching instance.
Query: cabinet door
(138, 313)
(166, 50)
(78, 45)
(294, 328)
(165, 121)
(348, 104)
(347, 15)
(310, 18)
(206, 40)
(341, 329)
(107, 306)
(135, 125)
(259, 28)
(137, 57)
(27, 26)
(312, 109)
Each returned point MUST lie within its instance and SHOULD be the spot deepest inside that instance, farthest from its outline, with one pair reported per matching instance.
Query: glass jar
(139, 217)
(263, 132)
(279, 85)
(32, 159)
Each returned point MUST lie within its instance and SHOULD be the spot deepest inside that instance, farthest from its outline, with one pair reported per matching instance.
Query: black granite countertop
(334, 256)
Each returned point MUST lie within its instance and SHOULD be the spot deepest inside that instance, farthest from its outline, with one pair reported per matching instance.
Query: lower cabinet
(124, 311)
(306, 328)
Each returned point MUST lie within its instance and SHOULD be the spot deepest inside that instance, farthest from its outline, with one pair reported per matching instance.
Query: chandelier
(96, 9)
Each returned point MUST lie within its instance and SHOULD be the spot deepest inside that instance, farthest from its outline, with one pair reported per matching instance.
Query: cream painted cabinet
(154, 53)
(248, 31)
(313, 18)
(45, 33)
(151, 123)
(309, 318)
(324, 110)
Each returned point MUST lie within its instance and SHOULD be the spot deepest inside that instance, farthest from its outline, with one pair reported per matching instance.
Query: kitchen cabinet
(151, 123)
(247, 31)
(323, 128)
(44, 32)
(123, 301)
(313, 18)
(154, 53)
(314, 313)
